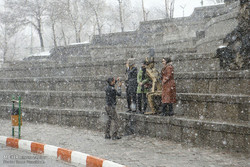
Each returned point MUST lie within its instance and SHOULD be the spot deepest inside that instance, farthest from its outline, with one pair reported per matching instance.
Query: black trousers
(141, 97)
(170, 107)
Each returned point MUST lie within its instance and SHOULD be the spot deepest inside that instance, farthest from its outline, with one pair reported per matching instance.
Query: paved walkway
(132, 151)
(11, 157)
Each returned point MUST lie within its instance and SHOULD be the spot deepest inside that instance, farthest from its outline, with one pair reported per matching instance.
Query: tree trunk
(41, 40)
(143, 11)
(98, 23)
(63, 34)
(76, 36)
(5, 47)
(79, 33)
(39, 30)
(121, 17)
(167, 8)
(54, 34)
(172, 9)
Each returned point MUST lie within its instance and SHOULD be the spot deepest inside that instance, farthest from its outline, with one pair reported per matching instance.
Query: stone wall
(215, 30)
(64, 53)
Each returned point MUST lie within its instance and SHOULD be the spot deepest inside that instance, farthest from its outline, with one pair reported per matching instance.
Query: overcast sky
(189, 5)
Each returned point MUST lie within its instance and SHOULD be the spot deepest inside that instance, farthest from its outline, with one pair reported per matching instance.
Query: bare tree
(183, 9)
(143, 11)
(98, 9)
(8, 29)
(56, 9)
(169, 8)
(172, 8)
(121, 15)
(29, 12)
(76, 17)
(216, 1)
(3, 38)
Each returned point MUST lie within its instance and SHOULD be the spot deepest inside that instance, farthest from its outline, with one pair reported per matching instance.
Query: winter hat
(109, 80)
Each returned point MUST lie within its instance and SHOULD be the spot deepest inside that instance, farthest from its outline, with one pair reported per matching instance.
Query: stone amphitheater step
(196, 132)
(59, 116)
(221, 107)
(214, 107)
(210, 44)
(183, 63)
(79, 58)
(110, 52)
(138, 52)
(221, 82)
(60, 99)
(226, 82)
(183, 46)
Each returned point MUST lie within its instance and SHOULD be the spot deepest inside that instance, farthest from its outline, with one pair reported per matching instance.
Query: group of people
(137, 87)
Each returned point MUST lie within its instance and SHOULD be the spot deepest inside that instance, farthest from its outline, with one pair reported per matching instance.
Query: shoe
(129, 111)
(107, 137)
(138, 112)
(163, 114)
(116, 137)
(171, 114)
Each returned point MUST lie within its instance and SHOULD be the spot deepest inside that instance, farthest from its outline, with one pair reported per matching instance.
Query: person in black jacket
(131, 84)
(111, 94)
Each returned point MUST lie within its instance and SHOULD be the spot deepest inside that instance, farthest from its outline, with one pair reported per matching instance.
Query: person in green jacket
(142, 88)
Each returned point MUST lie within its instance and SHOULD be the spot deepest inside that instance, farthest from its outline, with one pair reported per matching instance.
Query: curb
(57, 152)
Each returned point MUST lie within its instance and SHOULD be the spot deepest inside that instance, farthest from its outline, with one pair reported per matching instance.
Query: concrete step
(214, 107)
(182, 63)
(58, 99)
(220, 82)
(58, 116)
(221, 107)
(79, 59)
(194, 132)
(67, 83)
(227, 82)
(210, 44)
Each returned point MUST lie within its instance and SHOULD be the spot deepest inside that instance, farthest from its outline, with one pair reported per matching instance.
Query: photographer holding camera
(110, 98)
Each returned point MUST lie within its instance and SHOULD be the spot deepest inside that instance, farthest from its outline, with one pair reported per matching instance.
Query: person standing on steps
(110, 98)
(168, 87)
(131, 84)
(142, 88)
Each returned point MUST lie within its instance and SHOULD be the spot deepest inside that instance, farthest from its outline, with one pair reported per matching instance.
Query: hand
(140, 83)
(127, 64)
(120, 84)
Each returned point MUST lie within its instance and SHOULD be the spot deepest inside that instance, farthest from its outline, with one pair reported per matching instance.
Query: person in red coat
(168, 87)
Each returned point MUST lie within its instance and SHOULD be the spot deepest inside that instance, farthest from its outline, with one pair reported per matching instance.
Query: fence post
(19, 118)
